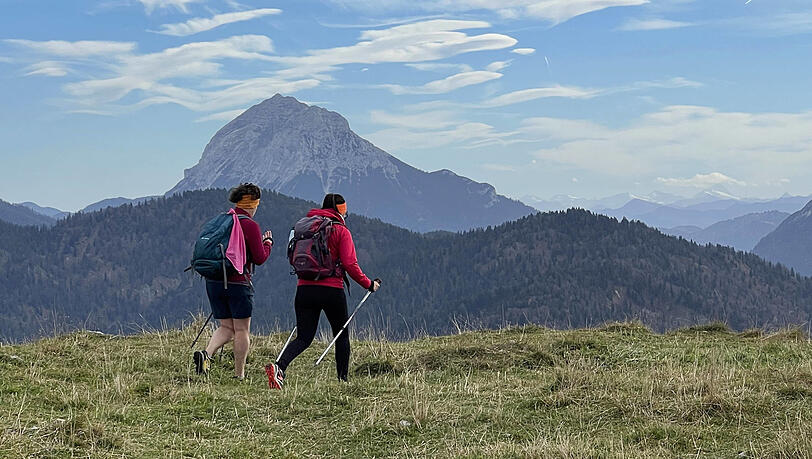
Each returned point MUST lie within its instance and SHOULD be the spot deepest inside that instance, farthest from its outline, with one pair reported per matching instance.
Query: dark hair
(236, 193)
(331, 200)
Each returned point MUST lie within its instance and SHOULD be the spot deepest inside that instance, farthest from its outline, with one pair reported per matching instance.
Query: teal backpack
(209, 256)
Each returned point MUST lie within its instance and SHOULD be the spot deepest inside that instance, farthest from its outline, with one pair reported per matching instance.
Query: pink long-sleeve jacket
(341, 249)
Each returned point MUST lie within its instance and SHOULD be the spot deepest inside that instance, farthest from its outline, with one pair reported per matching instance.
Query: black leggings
(310, 301)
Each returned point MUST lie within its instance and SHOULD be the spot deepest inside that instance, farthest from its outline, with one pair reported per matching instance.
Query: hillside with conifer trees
(121, 270)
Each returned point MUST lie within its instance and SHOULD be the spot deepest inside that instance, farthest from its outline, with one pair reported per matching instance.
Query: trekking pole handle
(342, 329)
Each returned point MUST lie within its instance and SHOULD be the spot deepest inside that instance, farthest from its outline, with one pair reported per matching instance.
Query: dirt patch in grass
(795, 392)
(792, 335)
(536, 360)
(492, 357)
(713, 327)
(626, 328)
(751, 333)
(375, 368)
(78, 433)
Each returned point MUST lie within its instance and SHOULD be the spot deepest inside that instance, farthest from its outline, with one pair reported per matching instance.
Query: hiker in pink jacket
(325, 294)
(232, 306)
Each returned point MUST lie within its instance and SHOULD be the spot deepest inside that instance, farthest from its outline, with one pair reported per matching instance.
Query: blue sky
(110, 98)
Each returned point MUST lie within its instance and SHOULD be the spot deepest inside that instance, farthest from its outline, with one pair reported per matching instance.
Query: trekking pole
(342, 330)
(286, 343)
(201, 330)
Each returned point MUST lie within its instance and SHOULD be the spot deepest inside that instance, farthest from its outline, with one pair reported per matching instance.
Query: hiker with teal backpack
(229, 247)
(322, 254)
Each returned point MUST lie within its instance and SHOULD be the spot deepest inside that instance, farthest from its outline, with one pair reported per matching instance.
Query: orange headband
(246, 203)
(342, 208)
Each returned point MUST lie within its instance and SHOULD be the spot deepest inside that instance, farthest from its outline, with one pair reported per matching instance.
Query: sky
(589, 98)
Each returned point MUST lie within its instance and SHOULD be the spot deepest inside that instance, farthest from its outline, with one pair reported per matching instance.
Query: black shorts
(236, 302)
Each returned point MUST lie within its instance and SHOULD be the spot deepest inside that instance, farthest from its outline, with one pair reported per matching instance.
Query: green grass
(615, 391)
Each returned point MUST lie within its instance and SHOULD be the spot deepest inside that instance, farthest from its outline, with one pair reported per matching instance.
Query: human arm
(349, 260)
(258, 249)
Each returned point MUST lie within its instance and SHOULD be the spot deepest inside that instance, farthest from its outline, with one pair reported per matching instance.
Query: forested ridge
(121, 269)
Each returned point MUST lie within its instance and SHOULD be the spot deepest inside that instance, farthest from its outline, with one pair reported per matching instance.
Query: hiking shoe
(276, 377)
(202, 362)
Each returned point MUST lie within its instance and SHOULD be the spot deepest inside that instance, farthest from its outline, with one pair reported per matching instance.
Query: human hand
(376, 284)
(268, 235)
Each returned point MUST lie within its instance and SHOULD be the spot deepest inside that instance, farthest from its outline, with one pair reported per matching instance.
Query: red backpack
(308, 253)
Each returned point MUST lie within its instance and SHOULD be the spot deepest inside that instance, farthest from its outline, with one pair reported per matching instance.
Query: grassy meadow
(608, 392)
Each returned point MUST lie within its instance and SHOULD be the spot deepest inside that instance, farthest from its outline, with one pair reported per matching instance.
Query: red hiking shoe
(276, 377)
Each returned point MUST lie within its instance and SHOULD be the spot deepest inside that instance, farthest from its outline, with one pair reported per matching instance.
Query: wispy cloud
(411, 43)
(558, 11)
(574, 92)
(440, 67)
(190, 74)
(146, 72)
(560, 129)
(156, 78)
(180, 5)
(467, 133)
(701, 181)
(499, 167)
(48, 68)
(76, 49)
(553, 11)
(242, 94)
(445, 85)
(497, 66)
(523, 51)
(668, 83)
(526, 95)
(652, 24)
(443, 122)
(384, 23)
(754, 147)
(197, 25)
(221, 116)
(428, 120)
(778, 24)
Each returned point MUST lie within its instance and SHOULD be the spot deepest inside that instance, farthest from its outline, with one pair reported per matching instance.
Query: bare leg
(242, 340)
(223, 334)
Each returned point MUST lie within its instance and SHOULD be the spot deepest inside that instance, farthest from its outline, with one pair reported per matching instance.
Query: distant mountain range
(562, 269)
(30, 213)
(19, 214)
(306, 151)
(791, 243)
(50, 212)
(563, 202)
(711, 216)
(742, 233)
(702, 214)
(115, 202)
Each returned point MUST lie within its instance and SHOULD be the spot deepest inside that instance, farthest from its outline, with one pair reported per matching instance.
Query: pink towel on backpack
(236, 252)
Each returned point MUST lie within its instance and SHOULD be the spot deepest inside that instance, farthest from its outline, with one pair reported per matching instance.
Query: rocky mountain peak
(289, 112)
(306, 151)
